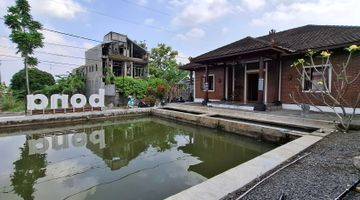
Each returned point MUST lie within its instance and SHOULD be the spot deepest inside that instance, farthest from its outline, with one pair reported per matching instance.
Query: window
(211, 83)
(138, 72)
(315, 78)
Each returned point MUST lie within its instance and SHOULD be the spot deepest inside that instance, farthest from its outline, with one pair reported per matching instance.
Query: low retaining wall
(37, 121)
(258, 116)
(242, 128)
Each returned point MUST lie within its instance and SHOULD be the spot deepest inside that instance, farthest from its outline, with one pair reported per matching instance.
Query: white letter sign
(32, 105)
(40, 101)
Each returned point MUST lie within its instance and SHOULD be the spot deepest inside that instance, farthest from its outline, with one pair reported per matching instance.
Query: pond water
(145, 158)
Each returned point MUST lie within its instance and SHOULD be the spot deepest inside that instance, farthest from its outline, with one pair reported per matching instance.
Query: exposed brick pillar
(192, 92)
(260, 106)
(206, 97)
(224, 84)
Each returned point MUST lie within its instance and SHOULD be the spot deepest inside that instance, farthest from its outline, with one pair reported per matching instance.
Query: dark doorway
(252, 87)
(118, 68)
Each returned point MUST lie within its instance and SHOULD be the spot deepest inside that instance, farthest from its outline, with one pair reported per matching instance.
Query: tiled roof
(294, 40)
(191, 65)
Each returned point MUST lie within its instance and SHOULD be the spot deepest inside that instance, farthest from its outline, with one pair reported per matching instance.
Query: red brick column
(206, 97)
(260, 103)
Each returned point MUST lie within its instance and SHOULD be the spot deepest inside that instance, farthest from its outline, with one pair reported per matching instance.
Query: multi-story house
(117, 56)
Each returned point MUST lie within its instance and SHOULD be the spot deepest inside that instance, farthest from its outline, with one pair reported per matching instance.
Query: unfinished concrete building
(118, 56)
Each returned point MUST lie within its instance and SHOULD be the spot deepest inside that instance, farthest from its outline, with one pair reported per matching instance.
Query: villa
(257, 70)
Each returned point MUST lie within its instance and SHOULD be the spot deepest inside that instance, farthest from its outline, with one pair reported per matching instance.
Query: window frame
(328, 67)
(213, 82)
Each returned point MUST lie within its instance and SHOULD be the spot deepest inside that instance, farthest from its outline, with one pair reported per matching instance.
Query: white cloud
(12, 65)
(142, 2)
(202, 11)
(149, 21)
(253, 5)
(63, 9)
(285, 15)
(59, 39)
(224, 30)
(182, 58)
(194, 33)
(177, 3)
(3, 5)
(88, 45)
(9, 65)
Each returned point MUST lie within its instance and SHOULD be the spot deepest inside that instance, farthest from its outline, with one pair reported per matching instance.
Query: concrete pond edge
(233, 179)
(221, 185)
(224, 183)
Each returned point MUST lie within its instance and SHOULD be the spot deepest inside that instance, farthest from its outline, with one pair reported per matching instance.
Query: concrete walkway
(280, 117)
(291, 113)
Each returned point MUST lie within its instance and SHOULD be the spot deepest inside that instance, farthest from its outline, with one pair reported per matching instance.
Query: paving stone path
(324, 174)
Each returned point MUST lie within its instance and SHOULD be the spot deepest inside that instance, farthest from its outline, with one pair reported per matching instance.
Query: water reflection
(139, 159)
(60, 140)
(125, 142)
(27, 170)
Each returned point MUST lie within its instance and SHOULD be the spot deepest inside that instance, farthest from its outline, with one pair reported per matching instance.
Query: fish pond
(145, 158)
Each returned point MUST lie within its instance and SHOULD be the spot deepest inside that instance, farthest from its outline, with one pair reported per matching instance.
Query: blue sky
(190, 26)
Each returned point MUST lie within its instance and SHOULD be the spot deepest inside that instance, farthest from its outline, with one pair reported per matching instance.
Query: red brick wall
(239, 84)
(290, 84)
(273, 82)
(218, 94)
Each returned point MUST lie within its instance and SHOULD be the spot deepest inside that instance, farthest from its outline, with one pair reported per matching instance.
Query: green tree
(163, 64)
(38, 80)
(25, 33)
(66, 84)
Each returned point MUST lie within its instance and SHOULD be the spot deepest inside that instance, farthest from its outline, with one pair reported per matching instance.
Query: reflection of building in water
(125, 142)
(122, 145)
(218, 153)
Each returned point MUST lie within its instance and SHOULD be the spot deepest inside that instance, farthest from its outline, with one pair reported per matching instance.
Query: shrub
(9, 103)
(141, 88)
(160, 92)
(159, 87)
(130, 86)
(150, 100)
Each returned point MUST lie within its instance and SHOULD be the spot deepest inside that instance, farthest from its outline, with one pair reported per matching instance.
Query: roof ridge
(261, 40)
(311, 25)
(224, 45)
(334, 25)
(299, 27)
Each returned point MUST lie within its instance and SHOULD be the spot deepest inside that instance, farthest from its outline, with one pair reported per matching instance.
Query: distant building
(117, 54)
